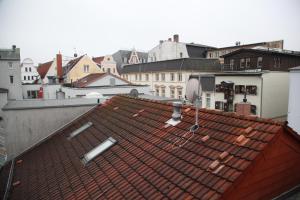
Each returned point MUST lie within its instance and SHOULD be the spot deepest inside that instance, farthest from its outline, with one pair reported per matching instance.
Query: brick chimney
(243, 108)
(59, 67)
(176, 38)
(170, 39)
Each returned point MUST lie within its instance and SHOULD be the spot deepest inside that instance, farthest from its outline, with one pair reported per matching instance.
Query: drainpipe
(261, 94)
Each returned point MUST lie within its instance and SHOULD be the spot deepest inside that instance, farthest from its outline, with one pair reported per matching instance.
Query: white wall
(167, 50)
(31, 74)
(275, 94)
(294, 101)
(241, 80)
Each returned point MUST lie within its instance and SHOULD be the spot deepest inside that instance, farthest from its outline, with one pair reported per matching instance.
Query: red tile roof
(150, 160)
(43, 69)
(88, 79)
(98, 60)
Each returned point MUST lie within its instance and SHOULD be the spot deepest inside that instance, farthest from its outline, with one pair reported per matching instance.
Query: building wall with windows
(28, 71)
(109, 65)
(82, 68)
(10, 72)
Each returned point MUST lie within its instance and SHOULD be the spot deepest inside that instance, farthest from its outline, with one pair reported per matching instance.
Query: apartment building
(169, 78)
(219, 52)
(28, 71)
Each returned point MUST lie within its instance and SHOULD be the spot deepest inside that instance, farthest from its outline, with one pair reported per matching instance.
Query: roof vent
(176, 116)
(79, 130)
(98, 150)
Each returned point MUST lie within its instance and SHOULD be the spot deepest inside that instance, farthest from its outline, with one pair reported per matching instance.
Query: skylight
(79, 130)
(98, 150)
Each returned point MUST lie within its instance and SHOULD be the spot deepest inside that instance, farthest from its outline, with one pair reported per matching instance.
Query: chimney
(176, 38)
(14, 47)
(176, 116)
(75, 55)
(59, 67)
(161, 41)
(170, 39)
(243, 108)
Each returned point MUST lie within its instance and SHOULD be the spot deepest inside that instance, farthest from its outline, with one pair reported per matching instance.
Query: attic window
(98, 150)
(79, 130)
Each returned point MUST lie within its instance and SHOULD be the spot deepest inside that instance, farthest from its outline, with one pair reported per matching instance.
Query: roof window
(79, 130)
(98, 150)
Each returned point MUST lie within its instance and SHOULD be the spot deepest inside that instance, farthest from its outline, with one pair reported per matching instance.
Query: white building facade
(10, 72)
(28, 71)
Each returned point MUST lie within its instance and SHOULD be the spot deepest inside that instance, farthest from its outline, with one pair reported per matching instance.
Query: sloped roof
(87, 80)
(98, 60)
(265, 51)
(121, 54)
(43, 69)
(185, 64)
(150, 160)
(71, 64)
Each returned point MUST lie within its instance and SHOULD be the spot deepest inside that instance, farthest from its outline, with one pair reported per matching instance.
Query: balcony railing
(228, 67)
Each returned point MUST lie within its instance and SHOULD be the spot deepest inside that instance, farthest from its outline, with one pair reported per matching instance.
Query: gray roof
(10, 54)
(197, 50)
(3, 90)
(119, 55)
(186, 64)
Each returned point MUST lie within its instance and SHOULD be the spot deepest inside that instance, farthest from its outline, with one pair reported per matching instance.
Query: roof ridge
(217, 112)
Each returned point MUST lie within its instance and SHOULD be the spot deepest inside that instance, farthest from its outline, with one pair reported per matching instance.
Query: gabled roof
(265, 51)
(150, 160)
(98, 60)
(87, 80)
(43, 69)
(121, 54)
(183, 64)
(71, 64)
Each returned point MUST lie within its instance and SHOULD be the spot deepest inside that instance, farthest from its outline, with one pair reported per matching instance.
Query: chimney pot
(14, 47)
(161, 41)
(170, 39)
(176, 111)
(176, 38)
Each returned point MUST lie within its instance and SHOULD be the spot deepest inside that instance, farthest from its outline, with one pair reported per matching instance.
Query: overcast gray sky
(41, 28)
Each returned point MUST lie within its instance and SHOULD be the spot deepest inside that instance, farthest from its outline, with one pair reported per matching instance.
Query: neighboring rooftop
(295, 68)
(98, 60)
(71, 64)
(228, 157)
(10, 54)
(3, 90)
(43, 69)
(265, 50)
(184, 64)
(121, 54)
(278, 43)
(87, 80)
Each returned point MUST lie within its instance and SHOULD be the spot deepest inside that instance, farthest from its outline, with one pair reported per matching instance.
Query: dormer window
(259, 62)
(86, 68)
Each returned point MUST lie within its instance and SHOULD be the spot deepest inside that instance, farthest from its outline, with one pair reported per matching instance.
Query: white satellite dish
(193, 94)
(193, 88)
(93, 95)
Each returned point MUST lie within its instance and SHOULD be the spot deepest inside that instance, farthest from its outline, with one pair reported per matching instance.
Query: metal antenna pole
(197, 103)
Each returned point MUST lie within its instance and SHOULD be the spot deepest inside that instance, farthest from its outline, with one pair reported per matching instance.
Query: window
(277, 62)
(114, 70)
(179, 76)
(157, 91)
(31, 77)
(163, 77)
(10, 64)
(30, 69)
(24, 78)
(253, 109)
(251, 89)
(125, 60)
(247, 62)
(179, 93)
(242, 63)
(219, 105)
(26, 69)
(86, 68)
(140, 77)
(219, 88)
(147, 77)
(11, 79)
(136, 77)
(103, 69)
(259, 62)
(108, 70)
(239, 89)
(181, 54)
(208, 99)
(112, 81)
(163, 92)
(28, 77)
(231, 63)
(80, 130)
(98, 150)
(157, 77)
(172, 93)
(172, 77)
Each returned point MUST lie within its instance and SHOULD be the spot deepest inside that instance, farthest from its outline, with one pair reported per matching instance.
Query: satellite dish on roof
(193, 88)
(193, 94)
(134, 93)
